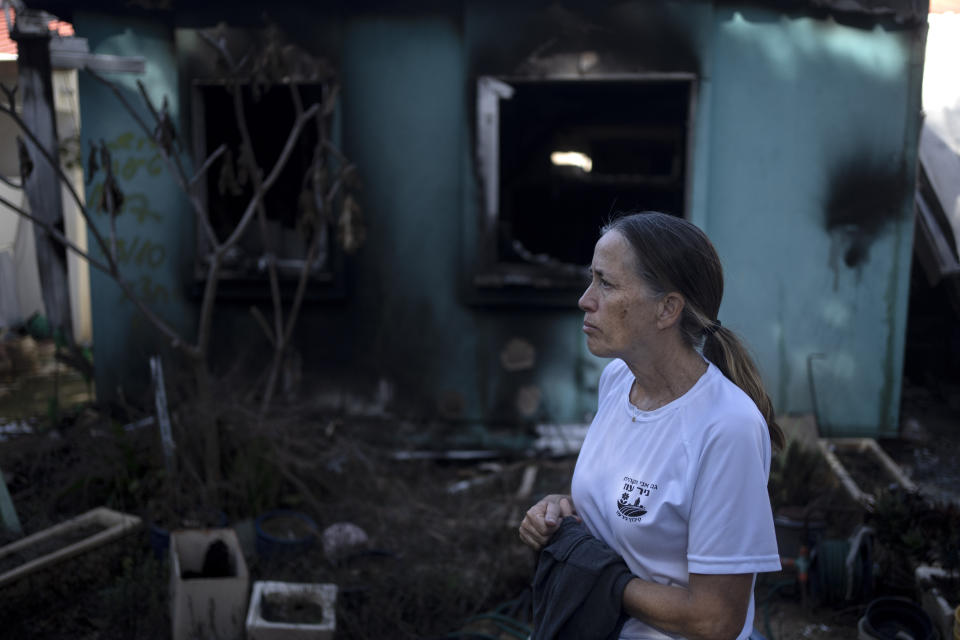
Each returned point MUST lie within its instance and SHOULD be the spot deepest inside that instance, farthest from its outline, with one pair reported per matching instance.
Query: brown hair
(675, 255)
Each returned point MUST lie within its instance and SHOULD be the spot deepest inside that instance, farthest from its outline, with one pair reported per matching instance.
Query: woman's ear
(670, 310)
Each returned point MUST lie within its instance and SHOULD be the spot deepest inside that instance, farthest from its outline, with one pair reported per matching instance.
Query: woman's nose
(586, 300)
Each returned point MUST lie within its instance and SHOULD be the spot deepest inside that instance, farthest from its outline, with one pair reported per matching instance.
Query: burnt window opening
(270, 116)
(559, 157)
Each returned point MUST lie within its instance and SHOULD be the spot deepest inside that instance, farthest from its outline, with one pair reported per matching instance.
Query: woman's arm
(543, 518)
(713, 607)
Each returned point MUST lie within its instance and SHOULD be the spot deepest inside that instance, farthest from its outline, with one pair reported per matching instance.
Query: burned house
(493, 140)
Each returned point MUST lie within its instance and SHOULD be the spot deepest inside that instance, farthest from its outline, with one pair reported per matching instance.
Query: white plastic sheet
(940, 139)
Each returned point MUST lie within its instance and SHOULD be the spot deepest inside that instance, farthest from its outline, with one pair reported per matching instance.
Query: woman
(672, 474)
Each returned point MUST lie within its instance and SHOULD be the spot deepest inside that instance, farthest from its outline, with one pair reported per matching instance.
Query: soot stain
(864, 197)
(641, 38)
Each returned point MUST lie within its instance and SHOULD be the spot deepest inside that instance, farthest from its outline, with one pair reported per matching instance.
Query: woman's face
(619, 308)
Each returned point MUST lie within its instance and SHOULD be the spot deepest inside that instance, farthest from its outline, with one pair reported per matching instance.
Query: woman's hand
(543, 518)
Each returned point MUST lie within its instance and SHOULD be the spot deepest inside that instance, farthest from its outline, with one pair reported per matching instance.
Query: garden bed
(443, 546)
(63, 541)
(863, 468)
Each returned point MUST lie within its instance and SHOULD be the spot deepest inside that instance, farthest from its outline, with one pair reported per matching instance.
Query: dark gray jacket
(578, 587)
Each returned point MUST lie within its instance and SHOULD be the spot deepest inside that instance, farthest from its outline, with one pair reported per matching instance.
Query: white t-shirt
(681, 489)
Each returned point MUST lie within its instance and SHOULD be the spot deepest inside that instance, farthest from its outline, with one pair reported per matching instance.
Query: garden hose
(501, 620)
(764, 604)
(517, 605)
(844, 568)
(504, 623)
(831, 570)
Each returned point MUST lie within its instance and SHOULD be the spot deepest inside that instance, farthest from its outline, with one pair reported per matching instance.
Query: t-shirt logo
(628, 506)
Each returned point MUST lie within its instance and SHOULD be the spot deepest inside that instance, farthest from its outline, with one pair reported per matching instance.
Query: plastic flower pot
(892, 618)
(794, 533)
(282, 532)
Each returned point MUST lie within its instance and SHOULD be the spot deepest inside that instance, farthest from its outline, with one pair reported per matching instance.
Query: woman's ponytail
(723, 348)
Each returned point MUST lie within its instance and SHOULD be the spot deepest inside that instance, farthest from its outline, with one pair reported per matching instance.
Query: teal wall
(154, 230)
(793, 115)
(807, 117)
(409, 129)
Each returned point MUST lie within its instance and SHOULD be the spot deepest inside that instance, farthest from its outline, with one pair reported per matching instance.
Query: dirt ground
(443, 555)
(436, 559)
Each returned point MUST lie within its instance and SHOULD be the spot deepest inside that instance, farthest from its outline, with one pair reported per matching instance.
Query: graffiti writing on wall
(137, 160)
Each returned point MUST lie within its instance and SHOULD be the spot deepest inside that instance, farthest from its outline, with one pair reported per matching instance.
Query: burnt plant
(913, 530)
(328, 185)
(799, 476)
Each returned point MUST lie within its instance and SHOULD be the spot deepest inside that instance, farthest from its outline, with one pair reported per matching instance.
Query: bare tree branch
(109, 269)
(338, 184)
(219, 151)
(324, 201)
(149, 103)
(10, 94)
(11, 112)
(57, 235)
(173, 164)
(65, 180)
(209, 298)
(271, 178)
(123, 100)
(10, 183)
(258, 316)
(305, 491)
(301, 286)
(249, 156)
(295, 97)
(175, 340)
(332, 148)
(221, 48)
(113, 237)
(311, 256)
(108, 250)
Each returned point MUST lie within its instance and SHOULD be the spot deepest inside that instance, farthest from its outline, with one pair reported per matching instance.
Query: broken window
(270, 115)
(558, 157)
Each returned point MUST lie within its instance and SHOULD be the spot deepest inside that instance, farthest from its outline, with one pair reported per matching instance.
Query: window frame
(325, 283)
(492, 280)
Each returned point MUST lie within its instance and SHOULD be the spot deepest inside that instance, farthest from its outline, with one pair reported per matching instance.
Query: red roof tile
(8, 46)
(944, 6)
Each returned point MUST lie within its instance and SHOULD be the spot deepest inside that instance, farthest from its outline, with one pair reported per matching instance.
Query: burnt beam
(41, 181)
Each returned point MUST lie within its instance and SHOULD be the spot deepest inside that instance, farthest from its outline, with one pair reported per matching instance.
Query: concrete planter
(322, 595)
(942, 612)
(882, 466)
(203, 605)
(79, 535)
